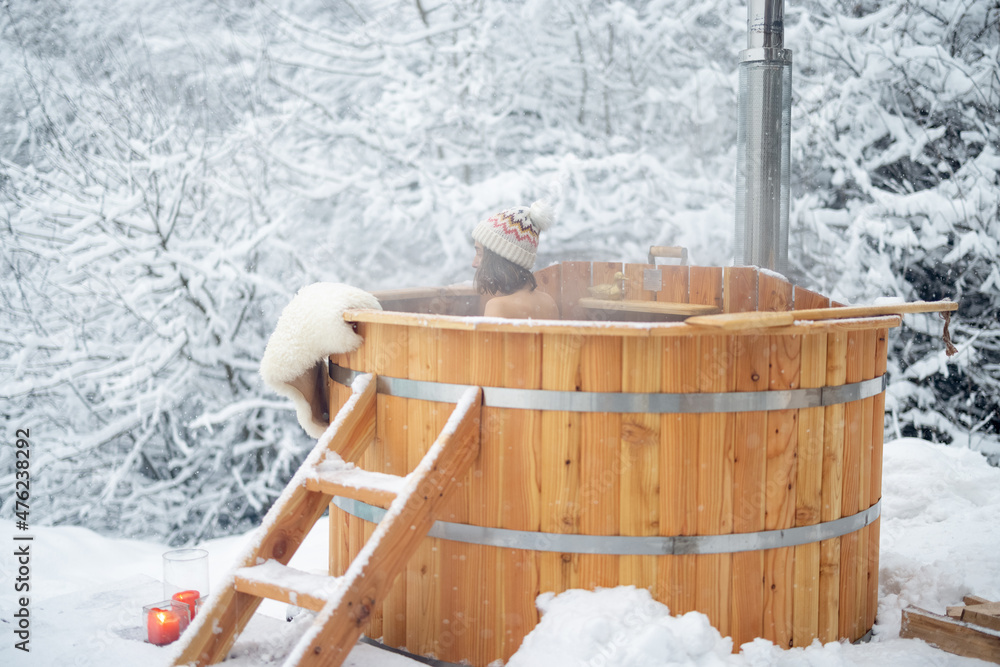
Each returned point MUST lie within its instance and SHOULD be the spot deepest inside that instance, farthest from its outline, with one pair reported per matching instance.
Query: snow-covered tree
(170, 176)
(897, 142)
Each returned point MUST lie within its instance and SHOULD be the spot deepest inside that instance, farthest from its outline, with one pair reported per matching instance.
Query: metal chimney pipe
(763, 140)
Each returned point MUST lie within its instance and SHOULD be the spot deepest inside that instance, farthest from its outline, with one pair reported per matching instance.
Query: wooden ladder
(343, 604)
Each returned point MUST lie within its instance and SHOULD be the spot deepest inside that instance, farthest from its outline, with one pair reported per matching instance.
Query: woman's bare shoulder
(521, 305)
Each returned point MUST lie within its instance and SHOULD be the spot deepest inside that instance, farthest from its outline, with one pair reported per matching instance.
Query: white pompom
(540, 214)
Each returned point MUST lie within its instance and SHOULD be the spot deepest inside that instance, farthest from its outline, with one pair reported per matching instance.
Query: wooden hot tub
(737, 473)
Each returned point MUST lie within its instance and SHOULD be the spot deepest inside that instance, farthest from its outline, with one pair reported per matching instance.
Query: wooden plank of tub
(549, 280)
(716, 373)
(853, 472)
(875, 494)
(752, 358)
(358, 530)
(374, 457)
(808, 479)
(485, 492)
(833, 488)
(705, 286)
(600, 458)
(634, 282)
(340, 555)
(739, 290)
(560, 463)
(424, 422)
(678, 482)
(637, 310)
(674, 284)
(602, 273)
(460, 562)
(782, 447)
(869, 342)
(574, 281)
(716, 452)
(391, 358)
(640, 445)
(521, 494)
(680, 445)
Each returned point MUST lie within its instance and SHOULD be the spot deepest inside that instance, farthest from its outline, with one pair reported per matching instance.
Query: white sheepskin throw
(310, 329)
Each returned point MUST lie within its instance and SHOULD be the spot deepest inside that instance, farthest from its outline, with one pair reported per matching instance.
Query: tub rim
(608, 327)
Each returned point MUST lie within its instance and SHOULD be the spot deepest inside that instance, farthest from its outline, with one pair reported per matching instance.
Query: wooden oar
(757, 320)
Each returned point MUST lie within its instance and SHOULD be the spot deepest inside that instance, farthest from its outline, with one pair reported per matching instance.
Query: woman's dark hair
(497, 275)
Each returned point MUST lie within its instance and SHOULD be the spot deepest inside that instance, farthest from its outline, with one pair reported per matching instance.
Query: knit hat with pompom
(513, 232)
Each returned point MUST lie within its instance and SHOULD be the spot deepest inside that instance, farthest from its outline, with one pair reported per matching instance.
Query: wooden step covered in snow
(337, 478)
(275, 581)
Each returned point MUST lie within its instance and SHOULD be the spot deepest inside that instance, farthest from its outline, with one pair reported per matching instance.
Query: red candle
(190, 598)
(163, 626)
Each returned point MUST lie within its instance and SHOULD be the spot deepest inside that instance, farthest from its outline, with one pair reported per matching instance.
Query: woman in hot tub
(506, 244)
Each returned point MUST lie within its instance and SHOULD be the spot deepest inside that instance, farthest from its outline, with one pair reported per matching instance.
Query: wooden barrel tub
(733, 473)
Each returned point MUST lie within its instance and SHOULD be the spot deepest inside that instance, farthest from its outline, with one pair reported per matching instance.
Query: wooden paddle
(757, 320)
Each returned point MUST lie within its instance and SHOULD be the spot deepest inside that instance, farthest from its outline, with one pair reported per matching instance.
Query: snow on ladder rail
(275, 581)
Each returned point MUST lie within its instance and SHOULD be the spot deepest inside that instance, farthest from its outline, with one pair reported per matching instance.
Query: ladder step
(279, 582)
(336, 478)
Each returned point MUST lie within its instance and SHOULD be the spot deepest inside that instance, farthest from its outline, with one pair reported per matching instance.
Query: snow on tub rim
(736, 473)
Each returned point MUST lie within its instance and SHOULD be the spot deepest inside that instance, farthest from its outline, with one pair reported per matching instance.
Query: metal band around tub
(625, 545)
(595, 401)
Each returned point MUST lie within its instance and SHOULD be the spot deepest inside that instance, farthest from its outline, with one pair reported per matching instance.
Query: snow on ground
(940, 537)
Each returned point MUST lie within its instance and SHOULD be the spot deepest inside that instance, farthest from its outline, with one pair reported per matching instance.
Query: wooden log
(973, 601)
(977, 615)
(600, 458)
(951, 635)
(521, 483)
(808, 480)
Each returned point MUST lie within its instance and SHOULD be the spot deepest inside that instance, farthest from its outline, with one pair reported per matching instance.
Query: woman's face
(479, 255)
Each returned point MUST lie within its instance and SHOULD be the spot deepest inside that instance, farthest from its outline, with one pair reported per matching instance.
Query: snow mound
(619, 627)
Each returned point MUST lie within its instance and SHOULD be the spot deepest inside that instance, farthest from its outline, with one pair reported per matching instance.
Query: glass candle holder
(191, 598)
(185, 570)
(165, 621)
